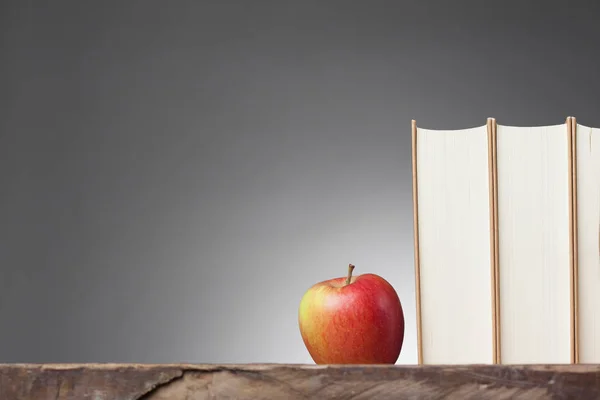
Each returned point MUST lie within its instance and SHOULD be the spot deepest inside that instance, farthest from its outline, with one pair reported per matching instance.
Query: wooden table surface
(279, 381)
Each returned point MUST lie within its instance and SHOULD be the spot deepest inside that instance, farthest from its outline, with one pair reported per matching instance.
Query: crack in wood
(158, 386)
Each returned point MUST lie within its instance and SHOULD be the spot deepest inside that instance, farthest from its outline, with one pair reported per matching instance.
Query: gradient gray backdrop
(174, 175)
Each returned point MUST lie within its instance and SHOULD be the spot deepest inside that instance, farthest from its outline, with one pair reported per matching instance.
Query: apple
(352, 320)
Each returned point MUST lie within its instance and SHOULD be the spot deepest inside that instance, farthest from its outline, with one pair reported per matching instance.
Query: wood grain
(275, 381)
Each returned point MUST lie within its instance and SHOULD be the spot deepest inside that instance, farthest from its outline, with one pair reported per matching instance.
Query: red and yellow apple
(352, 320)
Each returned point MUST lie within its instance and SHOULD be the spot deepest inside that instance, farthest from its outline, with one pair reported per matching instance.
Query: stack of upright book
(507, 244)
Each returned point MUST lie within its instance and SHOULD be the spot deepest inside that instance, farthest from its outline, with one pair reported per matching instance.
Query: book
(451, 182)
(534, 252)
(507, 244)
(587, 200)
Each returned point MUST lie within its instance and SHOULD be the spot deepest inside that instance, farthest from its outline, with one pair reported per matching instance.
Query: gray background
(174, 175)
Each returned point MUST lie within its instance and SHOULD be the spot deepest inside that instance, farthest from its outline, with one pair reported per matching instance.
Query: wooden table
(278, 381)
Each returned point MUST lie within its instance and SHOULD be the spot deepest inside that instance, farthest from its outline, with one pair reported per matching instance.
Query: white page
(588, 226)
(534, 244)
(454, 246)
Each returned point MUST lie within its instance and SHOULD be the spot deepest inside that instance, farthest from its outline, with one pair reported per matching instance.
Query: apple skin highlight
(357, 323)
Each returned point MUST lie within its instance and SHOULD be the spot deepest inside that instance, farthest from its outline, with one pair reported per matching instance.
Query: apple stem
(350, 268)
